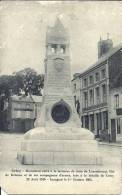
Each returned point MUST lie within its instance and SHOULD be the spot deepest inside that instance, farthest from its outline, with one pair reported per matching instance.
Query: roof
(36, 99)
(57, 33)
(58, 25)
(58, 28)
(30, 98)
(117, 81)
(102, 59)
(21, 98)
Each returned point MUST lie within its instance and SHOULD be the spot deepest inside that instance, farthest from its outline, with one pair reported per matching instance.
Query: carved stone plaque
(59, 64)
(60, 113)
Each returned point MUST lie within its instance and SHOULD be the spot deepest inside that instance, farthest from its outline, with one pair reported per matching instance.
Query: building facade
(116, 113)
(98, 89)
(22, 112)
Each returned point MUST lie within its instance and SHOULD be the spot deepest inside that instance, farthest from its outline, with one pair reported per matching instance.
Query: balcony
(94, 107)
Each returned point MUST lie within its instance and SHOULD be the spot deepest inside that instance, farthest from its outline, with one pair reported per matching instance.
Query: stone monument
(58, 137)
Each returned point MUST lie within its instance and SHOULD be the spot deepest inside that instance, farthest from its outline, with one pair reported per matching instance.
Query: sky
(23, 27)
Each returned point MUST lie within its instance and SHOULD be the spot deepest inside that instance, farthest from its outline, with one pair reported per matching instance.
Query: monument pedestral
(39, 147)
(58, 137)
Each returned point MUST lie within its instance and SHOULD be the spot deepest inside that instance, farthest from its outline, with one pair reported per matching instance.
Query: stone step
(59, 158)
(52, 133)
(59, 145)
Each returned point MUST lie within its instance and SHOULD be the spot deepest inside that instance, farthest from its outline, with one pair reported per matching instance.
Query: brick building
(99, 92)
(22, 112)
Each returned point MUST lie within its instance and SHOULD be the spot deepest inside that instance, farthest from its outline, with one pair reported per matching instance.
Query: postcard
(61, 97)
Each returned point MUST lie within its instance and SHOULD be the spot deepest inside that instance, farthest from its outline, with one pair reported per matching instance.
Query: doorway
(113, 130)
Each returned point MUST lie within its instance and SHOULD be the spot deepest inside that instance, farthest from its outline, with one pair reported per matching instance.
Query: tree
(29, 81)
(26, 80)
(6, 83)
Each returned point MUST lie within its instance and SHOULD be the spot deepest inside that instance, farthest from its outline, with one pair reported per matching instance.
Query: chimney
(104, 46)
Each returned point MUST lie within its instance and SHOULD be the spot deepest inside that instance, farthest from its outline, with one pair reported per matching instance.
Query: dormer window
(63, 48)
(53, 48)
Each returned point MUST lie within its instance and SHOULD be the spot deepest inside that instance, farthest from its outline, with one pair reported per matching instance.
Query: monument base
(59, 158)
(58, 147)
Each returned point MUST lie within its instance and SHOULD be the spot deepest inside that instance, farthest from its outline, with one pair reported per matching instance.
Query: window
(104, 93)
(18, 105)
(97, 92)
(99, 122)
(86, 122)
(116, 100)
(28, 114)
(103, 73)
(91, 96)
(97, 95)
(118, 125)
(63, 48)
(105, 120)
(92, 122)
(85, 82)
(91, 79)
(18, 114)
(53, 48)
(27, 105)
(97, 76)
(85, 99)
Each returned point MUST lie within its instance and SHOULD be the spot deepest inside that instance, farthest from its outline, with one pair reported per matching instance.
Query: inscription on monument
(58, 80)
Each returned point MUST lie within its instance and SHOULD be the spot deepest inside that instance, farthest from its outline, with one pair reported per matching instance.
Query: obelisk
(58, 137)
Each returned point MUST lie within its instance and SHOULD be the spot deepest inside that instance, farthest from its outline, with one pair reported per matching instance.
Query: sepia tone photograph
(61, 97)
